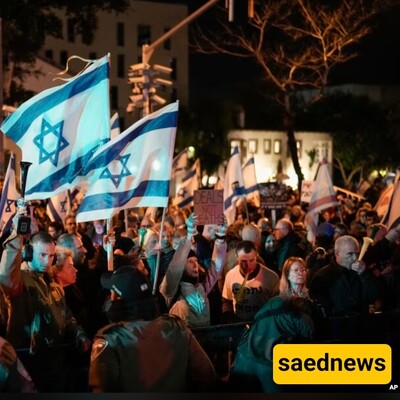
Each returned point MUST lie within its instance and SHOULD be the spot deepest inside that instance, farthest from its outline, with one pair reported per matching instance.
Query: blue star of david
(63, 204)
(182, 192)
(9, 204)
(61, 143)
(117, 178)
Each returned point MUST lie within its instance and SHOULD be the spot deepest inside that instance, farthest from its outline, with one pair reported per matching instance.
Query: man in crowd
(344, 286)
(38, 316)
(140, 353)
(289, 244)
(247, 286)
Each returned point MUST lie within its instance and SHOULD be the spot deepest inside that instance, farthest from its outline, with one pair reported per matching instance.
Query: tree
(361, 131)
(25, 25)
(296, 43)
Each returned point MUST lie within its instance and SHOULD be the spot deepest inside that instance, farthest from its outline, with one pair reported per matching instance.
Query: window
(120, 65)
(63, 57)
(277, 146)
(267, 146)
(49, 54)
(71, 30)
(144, 35)
(167, 43)
(252, 146)
(120, 34)
(114, 97)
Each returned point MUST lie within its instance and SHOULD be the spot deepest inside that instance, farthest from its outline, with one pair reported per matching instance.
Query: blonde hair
(284, 284)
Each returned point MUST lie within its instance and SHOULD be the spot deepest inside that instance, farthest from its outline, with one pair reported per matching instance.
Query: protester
(293, 280)
(38, 315)
(247, 286)
(289, 244)
(138, 352)
(343, 287)
(55, 229)
(184, 293)
(87, 281)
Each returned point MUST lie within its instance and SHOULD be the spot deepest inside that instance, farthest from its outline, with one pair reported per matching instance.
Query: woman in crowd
(294, 278)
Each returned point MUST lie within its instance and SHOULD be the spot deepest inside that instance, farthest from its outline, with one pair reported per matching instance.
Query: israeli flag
(134, 169)
(179, 163)
(9, 197)
(59, 206)
(250, 182)
(190, 183)
(233, 186)
(59, 129)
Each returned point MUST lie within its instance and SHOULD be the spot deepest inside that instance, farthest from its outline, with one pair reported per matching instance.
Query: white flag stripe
(392, 216)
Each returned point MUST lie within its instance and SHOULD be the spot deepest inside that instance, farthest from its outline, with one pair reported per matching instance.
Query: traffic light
(145, 80)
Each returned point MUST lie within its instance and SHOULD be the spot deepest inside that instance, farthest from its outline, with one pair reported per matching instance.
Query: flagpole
(159, 252)
(126, 219)
(110, 250)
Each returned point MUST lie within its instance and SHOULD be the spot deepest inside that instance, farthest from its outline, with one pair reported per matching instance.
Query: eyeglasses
(297, 271)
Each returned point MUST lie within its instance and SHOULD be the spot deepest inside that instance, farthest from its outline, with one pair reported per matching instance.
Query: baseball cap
(128, 282)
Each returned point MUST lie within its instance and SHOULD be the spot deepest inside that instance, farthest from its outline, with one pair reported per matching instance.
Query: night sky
(378, 63)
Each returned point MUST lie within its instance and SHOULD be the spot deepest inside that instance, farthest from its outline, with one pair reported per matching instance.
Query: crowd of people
(68, 323)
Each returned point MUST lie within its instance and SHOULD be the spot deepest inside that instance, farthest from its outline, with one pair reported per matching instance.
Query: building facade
(270, 149)
(122, 36)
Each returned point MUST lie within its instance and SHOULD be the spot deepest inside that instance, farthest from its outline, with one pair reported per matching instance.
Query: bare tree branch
(296, 43)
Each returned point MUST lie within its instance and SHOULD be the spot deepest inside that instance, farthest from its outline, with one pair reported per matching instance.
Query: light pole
(144, 85)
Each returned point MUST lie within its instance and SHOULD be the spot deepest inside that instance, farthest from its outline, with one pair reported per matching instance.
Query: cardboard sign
(306, 191)
(209, 206)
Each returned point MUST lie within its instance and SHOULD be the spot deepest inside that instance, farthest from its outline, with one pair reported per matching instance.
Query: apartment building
(122, 35)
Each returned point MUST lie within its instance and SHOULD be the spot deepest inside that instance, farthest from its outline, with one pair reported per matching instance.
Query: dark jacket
(341, 291)
(280, 320)
(149, 356)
